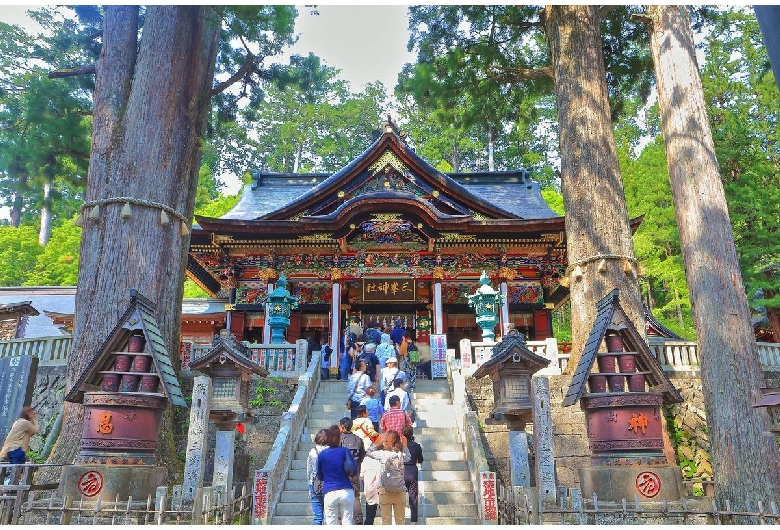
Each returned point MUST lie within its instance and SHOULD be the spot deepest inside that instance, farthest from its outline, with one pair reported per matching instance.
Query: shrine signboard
(388, 290)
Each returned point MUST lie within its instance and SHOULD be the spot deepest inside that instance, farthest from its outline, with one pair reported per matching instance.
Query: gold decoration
(438, 273)
(266, 274)
(335, 273)
(340, 194)
(564, 281)
(435, 193)
(388, 158)
(505, 273)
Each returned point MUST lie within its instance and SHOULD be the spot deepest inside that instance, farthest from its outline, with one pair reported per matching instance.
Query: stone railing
(48, 350)
(467, 423)
(674, 356)
(281, 360)
(269, 481)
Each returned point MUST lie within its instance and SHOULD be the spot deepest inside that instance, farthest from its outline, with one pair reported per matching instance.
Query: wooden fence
(521, 506)
(162, 510)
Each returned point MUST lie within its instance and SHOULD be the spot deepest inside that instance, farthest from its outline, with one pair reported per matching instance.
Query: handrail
(269, 480)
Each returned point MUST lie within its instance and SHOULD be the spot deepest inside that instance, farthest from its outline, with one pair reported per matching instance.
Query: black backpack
(355, 446)
(370, 364)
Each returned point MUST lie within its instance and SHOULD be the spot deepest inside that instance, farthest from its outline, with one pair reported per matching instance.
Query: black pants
(370, 513)
(411, 487)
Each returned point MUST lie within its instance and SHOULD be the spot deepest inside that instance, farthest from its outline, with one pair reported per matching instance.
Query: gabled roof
(139, 316)
(610, 315)
(391, 173)
(225, 347)
(18, 309)
(656, 327)
(513, 347)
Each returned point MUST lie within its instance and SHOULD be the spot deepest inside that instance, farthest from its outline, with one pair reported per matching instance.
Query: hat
(392, 360)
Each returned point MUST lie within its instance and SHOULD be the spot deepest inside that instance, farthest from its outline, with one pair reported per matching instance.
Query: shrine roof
(497, 194)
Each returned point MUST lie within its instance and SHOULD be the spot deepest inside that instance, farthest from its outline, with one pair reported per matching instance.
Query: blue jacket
(330, 469)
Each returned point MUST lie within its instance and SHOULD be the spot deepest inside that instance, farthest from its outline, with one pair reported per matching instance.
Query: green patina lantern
(486, 302)
(280, 304)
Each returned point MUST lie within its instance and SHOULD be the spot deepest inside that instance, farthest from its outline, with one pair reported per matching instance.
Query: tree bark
(597, 225)
(744, 455)
(150, 111)
(46, 214)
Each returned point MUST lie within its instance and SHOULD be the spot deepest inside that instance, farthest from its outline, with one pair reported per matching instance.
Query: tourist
(356, 388)
(347, 361)
(315, 485)
(411, 473)
(372, 362)
(335, 466)
(403, 395)
(373, 406)
(394, 417)
(355, 327)
(384, 351)
(326, 352)
(391, 451)
(363, 427)
(358, 450)
(369, 473)
(18, 440)
(373, 335)
(397, 334)
(389, 374)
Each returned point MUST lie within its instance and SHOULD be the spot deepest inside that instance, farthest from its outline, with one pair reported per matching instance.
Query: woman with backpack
(391, 451)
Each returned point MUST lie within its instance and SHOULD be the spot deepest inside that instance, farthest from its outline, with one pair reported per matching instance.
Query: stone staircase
(446, 494)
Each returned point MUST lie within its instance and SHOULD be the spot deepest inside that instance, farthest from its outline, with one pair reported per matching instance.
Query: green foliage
(193, 290)
(743, 111)
(554, 199)
(262, 392)
(19, 250)
(58, 264)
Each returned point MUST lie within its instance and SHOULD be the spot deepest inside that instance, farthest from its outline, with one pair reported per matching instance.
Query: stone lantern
(280, 304)
(511, 368)
(230, 367)
(486, 302)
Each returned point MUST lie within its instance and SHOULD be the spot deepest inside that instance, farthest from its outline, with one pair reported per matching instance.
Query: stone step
(433, 510)
(450, 486)
(427, 465)
(302, 508)
(456, 454)
(451, 521)
(425, 475)
(453, 498)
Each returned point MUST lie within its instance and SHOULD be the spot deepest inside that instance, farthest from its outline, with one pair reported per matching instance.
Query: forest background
(305, 118)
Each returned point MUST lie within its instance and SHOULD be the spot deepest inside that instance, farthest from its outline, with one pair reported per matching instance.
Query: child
(363, 427)
(373, 407)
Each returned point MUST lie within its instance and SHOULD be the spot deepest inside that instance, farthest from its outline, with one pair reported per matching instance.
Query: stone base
(110, 482)
(615, 484)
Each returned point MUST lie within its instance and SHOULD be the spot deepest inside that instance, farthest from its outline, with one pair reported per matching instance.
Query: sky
(367, 43)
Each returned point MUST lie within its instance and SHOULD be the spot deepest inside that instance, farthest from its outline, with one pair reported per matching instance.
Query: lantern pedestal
(651, 483)
(109, 482)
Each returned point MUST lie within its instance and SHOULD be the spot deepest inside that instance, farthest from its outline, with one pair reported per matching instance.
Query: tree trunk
(773, 315)
(597, 226)
(491, 161)
(45, 231)
(744, 456)
(150, 111)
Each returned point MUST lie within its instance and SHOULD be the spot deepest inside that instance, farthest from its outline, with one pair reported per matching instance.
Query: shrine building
(387, 237)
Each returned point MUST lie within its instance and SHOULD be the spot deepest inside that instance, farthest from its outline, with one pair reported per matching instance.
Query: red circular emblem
(648, 484)
(90, 483)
